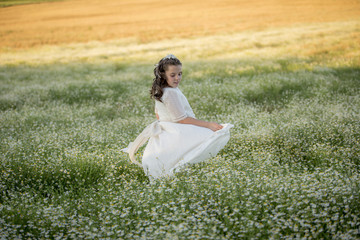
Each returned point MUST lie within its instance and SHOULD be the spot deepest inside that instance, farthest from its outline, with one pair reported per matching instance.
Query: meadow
(291, 169)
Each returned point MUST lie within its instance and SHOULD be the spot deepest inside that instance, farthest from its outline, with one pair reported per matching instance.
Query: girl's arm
(174, 105)
(211, 125)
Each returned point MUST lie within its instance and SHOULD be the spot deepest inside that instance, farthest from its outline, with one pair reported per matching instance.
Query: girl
(177, 138)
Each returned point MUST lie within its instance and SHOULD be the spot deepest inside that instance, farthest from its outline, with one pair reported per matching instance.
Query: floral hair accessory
(170, 56)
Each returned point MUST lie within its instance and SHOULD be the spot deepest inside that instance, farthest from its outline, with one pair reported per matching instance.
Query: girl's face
(173, 75)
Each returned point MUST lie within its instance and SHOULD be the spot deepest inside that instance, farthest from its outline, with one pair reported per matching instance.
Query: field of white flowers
(290, 170)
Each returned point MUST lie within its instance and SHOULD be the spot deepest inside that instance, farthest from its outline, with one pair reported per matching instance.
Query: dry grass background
(151, 20)
(336, 41)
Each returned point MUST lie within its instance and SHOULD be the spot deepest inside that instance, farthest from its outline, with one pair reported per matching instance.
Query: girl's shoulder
(170, 90)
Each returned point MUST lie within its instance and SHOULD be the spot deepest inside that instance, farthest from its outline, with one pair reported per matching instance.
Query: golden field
(142, 21)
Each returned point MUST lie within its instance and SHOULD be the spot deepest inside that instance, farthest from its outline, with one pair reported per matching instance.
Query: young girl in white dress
(177, 138)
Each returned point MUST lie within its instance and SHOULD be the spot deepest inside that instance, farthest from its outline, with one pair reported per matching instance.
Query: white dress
(172, 145)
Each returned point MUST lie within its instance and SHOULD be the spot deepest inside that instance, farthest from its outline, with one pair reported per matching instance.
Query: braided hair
(159, 82)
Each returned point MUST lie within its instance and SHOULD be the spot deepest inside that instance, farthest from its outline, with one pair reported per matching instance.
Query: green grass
(9, 3)
(290, 169)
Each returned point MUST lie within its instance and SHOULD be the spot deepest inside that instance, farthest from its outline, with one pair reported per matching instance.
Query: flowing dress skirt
(173, 145)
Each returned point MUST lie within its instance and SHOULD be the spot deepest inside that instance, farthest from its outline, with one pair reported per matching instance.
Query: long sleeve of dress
(174, 105)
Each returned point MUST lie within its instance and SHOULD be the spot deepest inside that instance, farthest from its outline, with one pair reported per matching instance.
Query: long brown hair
(159, 82)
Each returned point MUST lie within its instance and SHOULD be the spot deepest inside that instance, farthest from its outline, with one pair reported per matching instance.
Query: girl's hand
(214, 126)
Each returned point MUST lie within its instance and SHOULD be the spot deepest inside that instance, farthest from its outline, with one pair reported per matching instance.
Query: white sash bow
(151, 130)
